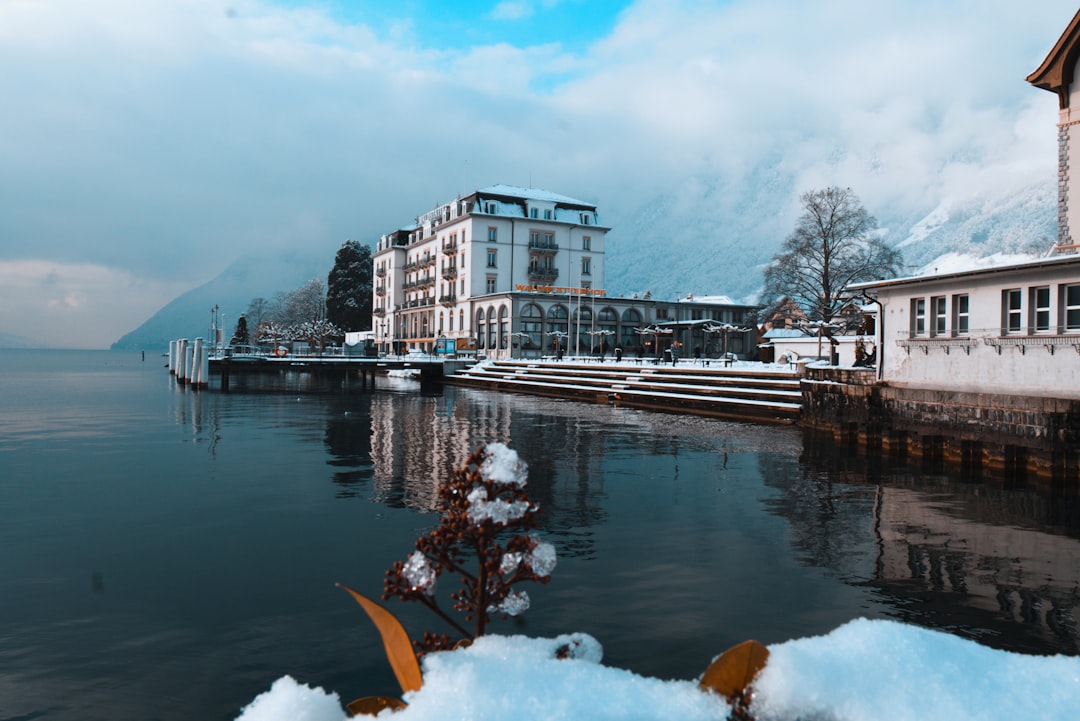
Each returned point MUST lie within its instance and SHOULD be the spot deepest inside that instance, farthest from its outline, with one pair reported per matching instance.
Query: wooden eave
(1056, 72)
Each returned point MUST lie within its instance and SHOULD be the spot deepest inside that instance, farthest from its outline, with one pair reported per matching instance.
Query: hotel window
(586, 243)
(937, 308)
(1012, 311)
(1071, 307)
(584, 218)
(491, 280)
(532, 212)
(960, 314)
(547, 214)
(1040, 309)
(492, 258)
(585, 263)
(918, 316)
(493, 234)
(491, 208)
(462, 291)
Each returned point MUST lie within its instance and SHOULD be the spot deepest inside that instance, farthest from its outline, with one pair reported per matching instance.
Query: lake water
(168, 553)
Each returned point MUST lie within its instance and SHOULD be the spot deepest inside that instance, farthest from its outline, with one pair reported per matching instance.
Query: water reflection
(996, 563)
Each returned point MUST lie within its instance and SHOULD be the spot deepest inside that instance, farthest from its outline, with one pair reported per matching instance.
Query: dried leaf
(399, 649)
(372, 705)
(732, 673)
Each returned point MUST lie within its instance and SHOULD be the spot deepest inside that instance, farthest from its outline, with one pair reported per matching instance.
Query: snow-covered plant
(483, 539)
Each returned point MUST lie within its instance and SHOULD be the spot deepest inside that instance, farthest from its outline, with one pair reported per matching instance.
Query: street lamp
(727, 329)
(524, 337)
(602, 334)
(655, 331)
(559, 335)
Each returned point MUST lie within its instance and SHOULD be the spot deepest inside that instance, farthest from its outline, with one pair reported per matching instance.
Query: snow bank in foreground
(864, 670)
(891, 671)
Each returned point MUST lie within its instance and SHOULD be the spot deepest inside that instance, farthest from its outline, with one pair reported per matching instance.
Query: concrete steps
(747, 392)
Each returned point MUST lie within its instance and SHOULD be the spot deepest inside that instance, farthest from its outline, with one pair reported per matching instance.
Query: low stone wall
(1007, 435)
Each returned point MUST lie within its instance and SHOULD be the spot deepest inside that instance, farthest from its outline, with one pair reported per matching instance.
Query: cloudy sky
(146, 144)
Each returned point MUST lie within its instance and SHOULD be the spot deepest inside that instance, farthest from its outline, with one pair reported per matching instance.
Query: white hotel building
(519, 272)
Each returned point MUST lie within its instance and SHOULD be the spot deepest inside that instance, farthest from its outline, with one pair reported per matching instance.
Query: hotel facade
(509, 272)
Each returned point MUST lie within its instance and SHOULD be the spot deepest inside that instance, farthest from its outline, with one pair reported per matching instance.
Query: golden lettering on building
(555, 290)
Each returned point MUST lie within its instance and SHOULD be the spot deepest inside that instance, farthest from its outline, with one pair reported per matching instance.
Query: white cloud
(75, 305)
(512, 10)
(166, 139)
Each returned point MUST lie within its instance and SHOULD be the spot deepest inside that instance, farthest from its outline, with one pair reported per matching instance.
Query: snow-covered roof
(962, 266)
(784, 333)
(513, 191)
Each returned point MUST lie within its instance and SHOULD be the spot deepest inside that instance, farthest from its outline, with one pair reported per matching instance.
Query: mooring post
(200, 364)
(181, 360)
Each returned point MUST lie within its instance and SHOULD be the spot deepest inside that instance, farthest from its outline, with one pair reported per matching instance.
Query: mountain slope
(189, 315)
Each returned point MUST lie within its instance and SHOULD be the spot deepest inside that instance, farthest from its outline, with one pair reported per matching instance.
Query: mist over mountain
(261, 276)
(708, 236)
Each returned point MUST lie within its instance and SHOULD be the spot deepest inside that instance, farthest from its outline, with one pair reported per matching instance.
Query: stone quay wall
(1012, 436)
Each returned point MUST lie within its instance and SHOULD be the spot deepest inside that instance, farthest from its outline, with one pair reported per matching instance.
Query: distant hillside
(706, 237)
(188, 316)
(9, 340)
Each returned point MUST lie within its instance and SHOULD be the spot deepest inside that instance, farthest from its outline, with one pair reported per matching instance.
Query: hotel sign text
(560, 291)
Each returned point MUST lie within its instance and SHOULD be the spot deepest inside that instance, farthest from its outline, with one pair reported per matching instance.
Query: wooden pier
(193, 364)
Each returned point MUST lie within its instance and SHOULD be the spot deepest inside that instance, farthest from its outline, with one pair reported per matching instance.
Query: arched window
(480, 329)
(532, 322)
(557, 327)
(607, 322)
(504, 327)
(631, 321)
(492, 329)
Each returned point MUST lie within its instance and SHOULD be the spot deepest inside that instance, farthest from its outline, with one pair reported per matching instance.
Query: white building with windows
(1007, 329)
(519, 272)
(1011, 330)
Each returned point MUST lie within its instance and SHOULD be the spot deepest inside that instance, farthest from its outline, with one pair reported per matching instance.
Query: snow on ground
(862, 671)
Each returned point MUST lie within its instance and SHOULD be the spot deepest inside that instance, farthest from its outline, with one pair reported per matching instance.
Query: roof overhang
(1056, 72)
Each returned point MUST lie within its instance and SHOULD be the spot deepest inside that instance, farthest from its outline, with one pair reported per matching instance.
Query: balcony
(449, 272)
(380, 290)
(449, 248)
(427, 261)
(447, 300)
(378, 310)
(380, 272)
(543, 274)
(543, 247)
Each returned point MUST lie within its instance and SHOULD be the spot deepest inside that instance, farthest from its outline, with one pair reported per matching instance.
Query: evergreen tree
(240, 336)
(348, 288)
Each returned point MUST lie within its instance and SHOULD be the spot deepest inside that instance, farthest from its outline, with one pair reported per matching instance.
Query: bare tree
(304, 304)
(833, 245)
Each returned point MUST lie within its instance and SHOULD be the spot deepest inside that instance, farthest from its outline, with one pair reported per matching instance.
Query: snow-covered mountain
(706, 237)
